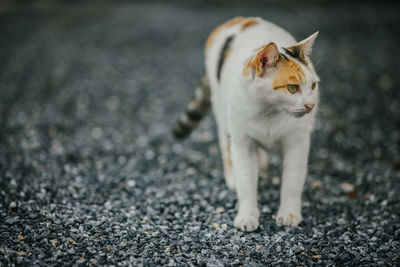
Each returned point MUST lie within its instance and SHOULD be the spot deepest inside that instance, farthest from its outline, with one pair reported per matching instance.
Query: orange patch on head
(288, 72)
(247, 68)
(252, 63)
(248, 23)
(227, 24)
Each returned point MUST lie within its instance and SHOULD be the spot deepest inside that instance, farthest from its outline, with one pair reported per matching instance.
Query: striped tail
(195, 111)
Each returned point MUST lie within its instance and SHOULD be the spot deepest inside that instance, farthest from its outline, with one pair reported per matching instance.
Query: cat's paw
(247, 223)
(288, 217)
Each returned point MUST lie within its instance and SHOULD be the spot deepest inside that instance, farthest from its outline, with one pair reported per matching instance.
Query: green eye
(313, 85)
(292, 88)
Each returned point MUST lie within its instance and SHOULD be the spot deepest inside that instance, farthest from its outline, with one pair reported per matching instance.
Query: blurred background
(89, 91)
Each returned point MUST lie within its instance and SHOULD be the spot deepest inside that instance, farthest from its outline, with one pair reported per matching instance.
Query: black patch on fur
(284, 56)
(194, 115)
(181, 130)
(297, 53)
(222, 55)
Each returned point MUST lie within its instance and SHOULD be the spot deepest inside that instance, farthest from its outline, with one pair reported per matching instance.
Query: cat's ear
(302, 49)
(267, 57)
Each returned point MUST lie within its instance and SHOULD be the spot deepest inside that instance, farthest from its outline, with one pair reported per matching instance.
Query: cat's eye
(292, 88)
(314, 84)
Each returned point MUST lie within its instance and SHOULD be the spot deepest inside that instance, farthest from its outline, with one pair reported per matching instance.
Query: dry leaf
(316, 184)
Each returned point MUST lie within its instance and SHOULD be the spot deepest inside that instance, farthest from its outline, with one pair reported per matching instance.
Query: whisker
(269, 111)
(322, 111)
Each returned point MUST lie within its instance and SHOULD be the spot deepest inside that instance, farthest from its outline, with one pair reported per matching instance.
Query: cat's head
(284, 80)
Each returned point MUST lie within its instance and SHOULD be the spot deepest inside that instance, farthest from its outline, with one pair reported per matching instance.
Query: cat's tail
(195, 111)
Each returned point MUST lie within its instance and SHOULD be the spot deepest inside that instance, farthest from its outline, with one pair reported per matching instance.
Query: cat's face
(295, 87)
(284, 81)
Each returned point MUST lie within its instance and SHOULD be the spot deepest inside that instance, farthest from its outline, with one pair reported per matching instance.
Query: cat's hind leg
(263, 161)
(226, 158)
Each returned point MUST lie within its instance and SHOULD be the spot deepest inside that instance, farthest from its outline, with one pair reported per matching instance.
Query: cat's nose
(309, 106)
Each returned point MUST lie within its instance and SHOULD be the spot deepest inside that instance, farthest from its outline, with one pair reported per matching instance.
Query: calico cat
(264, 92)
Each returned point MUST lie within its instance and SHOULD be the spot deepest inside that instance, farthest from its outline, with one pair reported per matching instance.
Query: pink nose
(309, 106)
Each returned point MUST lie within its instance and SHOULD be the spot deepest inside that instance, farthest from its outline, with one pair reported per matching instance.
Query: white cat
(264, 94)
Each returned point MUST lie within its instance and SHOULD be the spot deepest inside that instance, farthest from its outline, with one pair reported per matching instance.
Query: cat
(264, 93)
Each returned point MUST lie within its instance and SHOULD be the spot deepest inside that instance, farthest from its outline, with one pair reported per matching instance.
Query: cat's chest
(266, 134)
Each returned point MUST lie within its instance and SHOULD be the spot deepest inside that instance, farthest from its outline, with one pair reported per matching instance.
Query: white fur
(251, 115)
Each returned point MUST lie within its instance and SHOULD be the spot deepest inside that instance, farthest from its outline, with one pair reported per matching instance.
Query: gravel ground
(91, 175)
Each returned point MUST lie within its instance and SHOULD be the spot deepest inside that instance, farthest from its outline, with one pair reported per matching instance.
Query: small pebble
(220, 210)
(13, 205)
(316, 184)
(346, 187)
(276, 180)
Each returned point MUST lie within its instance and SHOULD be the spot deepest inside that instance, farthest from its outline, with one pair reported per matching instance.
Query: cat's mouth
(298, 113)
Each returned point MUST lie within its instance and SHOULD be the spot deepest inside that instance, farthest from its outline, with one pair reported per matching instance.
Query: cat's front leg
(245, 171)
(295, 159)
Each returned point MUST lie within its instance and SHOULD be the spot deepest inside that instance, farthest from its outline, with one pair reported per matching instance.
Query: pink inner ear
(267, 57)
(270, 55)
